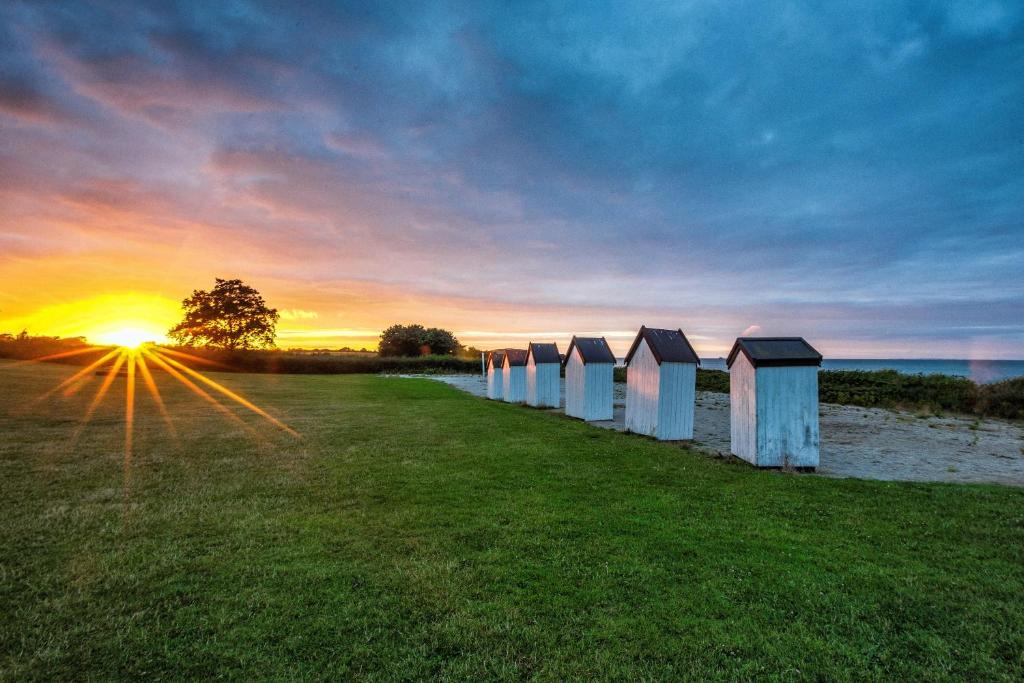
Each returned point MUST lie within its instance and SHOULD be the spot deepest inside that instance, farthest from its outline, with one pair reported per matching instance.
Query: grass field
(416, 532)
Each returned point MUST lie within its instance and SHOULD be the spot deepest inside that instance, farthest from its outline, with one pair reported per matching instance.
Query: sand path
(867, 443)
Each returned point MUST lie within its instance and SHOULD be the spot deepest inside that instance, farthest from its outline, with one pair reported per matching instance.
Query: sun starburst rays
(227, 392)
(199, 391)
(129, 407)
(188, 356)
(134, 362)
(154, 392)
(75, 382)
(104, 386)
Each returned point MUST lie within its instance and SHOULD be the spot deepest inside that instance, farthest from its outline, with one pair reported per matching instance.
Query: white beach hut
(773, 390)
(661, 384)
(589, 365)
(495, 376)
(543, 376)
(514, 371)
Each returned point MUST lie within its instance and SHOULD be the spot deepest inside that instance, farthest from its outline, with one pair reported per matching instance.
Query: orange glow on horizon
(117, 319)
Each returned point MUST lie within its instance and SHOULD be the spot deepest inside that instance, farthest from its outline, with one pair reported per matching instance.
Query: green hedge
(713, 380)
(895, 389)
(1002, 399)
(331, 364)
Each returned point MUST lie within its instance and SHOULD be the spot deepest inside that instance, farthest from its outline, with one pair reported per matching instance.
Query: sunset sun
(111, 319)
(129, 337)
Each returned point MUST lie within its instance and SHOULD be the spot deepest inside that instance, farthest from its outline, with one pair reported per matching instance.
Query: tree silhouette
(230, 316)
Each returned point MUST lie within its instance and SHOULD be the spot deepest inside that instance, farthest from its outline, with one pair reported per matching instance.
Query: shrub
(1002, 399)
(891, 389)
(716, 381)
(415, 340)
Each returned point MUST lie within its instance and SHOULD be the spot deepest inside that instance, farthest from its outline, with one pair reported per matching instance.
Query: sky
(852, 173)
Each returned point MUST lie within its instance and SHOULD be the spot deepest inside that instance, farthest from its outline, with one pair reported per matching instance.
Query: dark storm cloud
(863, 159)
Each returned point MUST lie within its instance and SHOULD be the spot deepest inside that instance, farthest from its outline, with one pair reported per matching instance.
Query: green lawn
(417, 532)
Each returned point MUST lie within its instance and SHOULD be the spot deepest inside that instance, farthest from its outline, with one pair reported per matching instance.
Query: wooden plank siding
(743, 409)
(660, 398)
(677, 397)
(514, 381)
(588, 389)
(543, 384)
(774, 414)
(787, 417)
(643, 379)
(495, 383)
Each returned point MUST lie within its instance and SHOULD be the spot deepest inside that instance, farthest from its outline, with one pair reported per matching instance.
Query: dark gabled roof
(667, 346)
(592, 350)
(544, 353)
(774, 351)
(495, 357)
(515, 357)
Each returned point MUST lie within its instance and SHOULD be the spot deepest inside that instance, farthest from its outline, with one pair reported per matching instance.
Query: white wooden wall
(642, 382)
(787, 416)
(774, 414)
(588, 389)
(574, 377)
(743, 409)
(515, 383)
(677, 396)
(495, 383)
(543, 384)
(660, 399)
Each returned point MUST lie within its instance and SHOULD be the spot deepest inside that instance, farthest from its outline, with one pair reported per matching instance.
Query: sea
(981, 371)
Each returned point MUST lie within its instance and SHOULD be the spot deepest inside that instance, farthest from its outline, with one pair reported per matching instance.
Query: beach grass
(416, 532)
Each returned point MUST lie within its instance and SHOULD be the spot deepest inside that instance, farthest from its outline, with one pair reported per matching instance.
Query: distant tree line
(24, 346)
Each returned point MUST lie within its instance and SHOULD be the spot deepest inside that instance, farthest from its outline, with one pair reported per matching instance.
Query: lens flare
(132, 358)
(198, 391)
(227, 392)
(147, 378)
(129, 417)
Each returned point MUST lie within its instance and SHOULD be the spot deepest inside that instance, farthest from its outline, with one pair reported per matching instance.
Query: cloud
(21, 98)
(298, 314)
(852, 172)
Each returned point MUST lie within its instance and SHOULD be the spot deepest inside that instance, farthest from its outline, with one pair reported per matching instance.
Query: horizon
(619, 349)
(521, 174)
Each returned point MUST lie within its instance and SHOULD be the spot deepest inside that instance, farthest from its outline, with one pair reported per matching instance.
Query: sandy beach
(866, 443)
